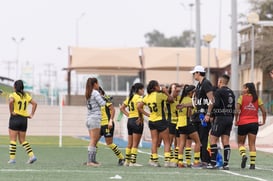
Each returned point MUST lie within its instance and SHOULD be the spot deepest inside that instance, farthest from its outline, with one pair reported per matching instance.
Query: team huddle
(179, 116)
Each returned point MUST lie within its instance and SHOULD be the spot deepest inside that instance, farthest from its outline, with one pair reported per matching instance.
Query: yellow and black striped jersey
(172, 111)
(156, 102)
(182, 114)
(105, 113)
(21, 103)
(132, 105)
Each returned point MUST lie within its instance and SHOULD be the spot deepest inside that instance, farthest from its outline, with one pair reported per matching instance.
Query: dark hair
(151, 86)
(107, 98)
(186, 90)
(226, 78)
(101, 91)
(89, 87)
(134, 89)
(19, 88)
(203, 74)
(170, 87)
(252, 91)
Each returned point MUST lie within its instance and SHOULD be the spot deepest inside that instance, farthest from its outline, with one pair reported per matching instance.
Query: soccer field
(65, 164)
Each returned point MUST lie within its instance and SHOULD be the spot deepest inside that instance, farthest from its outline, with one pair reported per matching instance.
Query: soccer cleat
(126, 163)
(153, 163)
(11, 161)
(225, 167)
(134, 165)
(181, 165)
(31, 160)
(252, 166)
(243, 163)
(166, 163)
(93, 164)
(212, 167)
(197, 165)
(121, 162)
(173, 164)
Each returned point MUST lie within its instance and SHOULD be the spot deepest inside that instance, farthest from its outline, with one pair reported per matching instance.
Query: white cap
(198, 68)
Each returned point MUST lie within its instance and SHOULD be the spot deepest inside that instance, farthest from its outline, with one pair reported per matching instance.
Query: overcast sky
(48, 24)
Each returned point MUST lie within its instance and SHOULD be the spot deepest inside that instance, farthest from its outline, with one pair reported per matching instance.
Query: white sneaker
(126, 163)
(11, 161)
(153, 163)
(172, 164)
(135, 165)
(93, 164)
(166, 163)
(31, 160)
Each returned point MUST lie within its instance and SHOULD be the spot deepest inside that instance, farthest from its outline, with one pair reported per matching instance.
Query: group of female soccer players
(168, 121)
(169, 112)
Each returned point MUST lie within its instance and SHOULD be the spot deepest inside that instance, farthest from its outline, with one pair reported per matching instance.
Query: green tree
(263, 7)
(264, 46)
(156, 39)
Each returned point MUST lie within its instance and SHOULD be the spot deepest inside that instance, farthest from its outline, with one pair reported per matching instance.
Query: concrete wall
(79, 100)
(46, 120)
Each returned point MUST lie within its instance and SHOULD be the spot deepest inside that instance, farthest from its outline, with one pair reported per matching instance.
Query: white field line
(265, 169)
(226, 171)
(246, 176)
(92, 171)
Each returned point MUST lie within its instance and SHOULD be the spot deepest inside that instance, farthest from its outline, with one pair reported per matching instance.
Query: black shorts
(132, 126)
(160, 125)
(222, 125)
(189, 129)
(107, 133)
(18, 123)
(173, 130)
(248, 128)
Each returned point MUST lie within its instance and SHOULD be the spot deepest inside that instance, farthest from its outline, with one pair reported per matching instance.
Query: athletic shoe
(252, 166)
(121, 162)
(126, 163)
(153, 163)
(31, 160)
(243, 163)
(166, 163)
(11, 161)
(181, 165)
(212, 167)
(197, 165)
(225, 167)
(93, 164)
(134, 165)
(172, 164)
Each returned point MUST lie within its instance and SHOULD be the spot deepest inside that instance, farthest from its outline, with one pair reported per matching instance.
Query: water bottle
(219, 159)
(202, 119)
(120, 115)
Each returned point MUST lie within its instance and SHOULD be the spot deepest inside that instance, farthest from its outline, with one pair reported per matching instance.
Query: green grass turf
(65, 164)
